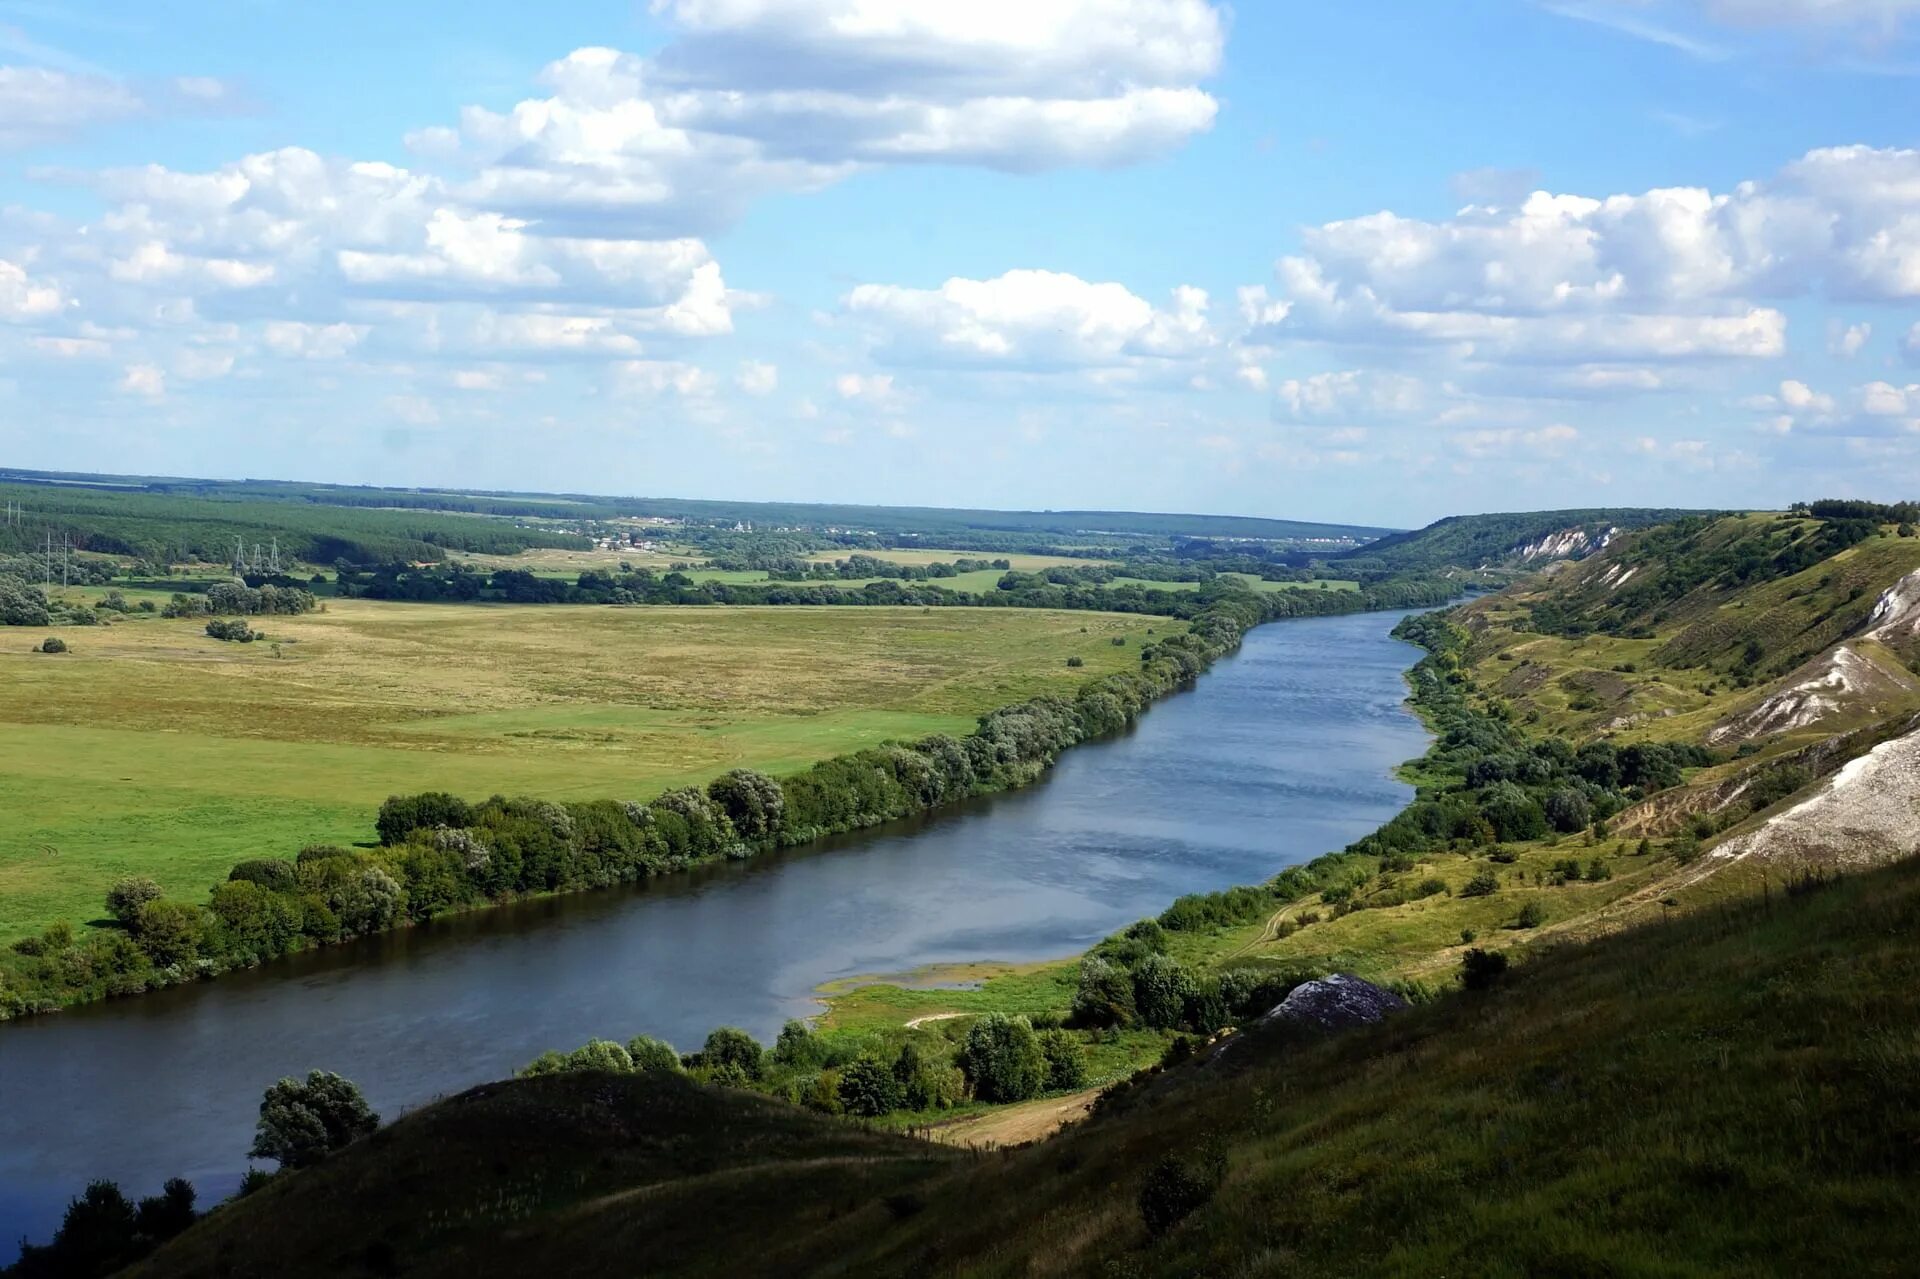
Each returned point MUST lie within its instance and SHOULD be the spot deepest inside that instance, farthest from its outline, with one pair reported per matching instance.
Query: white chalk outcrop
(1867, 813)
(1896, 614)
(1840, 681)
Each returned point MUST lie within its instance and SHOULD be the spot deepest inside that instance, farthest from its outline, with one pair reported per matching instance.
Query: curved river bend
(1282, 752)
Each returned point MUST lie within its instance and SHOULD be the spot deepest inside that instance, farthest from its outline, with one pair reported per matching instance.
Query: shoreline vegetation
(440, 854)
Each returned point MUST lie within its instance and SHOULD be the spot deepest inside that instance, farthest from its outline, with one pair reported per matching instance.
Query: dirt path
(927, 1018)
(1017, 1125)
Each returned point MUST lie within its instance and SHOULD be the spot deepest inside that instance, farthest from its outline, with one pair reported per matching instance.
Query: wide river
(1280, 753)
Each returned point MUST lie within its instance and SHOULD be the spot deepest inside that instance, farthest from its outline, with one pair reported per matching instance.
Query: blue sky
(1370, 262)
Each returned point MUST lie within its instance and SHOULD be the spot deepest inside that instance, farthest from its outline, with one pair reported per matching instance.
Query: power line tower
(273, 558)
(239, 557)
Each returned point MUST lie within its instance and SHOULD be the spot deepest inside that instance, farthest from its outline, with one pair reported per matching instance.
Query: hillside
(1715, 1095)
(1527, 539)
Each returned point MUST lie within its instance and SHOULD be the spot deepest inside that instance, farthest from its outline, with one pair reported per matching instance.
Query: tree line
(439, 853)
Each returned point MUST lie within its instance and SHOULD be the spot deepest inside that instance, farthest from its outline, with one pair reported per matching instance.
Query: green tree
(303, 1121)
(753, 801)
(798, 1048)
(601, 1055)
(731, 1049)
(170, 932)
(1104, 996)
(1002, 1058)
(1161, 988)
(653, 1056)
(1066, 1062)
(868, 1089)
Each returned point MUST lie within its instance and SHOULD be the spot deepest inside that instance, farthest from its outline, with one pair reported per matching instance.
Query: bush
(601, 1055)
(1480, 969)
(1076, 662)
(234, 631)
(401, 815)
(1532, 915)
(271, 873)
(1483, 884)
(1176, 1187)
(127, 896)
(53, 644)
(653, 1056)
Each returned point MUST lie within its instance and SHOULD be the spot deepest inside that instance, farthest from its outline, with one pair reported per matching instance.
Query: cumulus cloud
(1668, 275)
(24, 298)
(1846, 340)
(1029, 320)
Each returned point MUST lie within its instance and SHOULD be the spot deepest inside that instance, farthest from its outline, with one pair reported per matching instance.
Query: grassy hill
(1728, 1093)
(1501, 540)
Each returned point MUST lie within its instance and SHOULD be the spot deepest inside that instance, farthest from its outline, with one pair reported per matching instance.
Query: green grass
(152, 749)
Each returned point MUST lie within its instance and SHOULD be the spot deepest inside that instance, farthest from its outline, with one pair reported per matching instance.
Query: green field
(150, 748)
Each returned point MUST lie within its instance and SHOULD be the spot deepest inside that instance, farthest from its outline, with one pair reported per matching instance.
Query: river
(1282, 752)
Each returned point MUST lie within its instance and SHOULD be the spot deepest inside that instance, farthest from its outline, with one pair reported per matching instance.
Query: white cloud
(144, 379)
(312, 341)
(22, 297)
(1668, 275)
(1547, 441)
(660, 377)
(875, 388)
(1349, 394)
(70, 348)
(1033, 320)
(757, 378)
(39, 105)
(1845, 341)
(476, 380)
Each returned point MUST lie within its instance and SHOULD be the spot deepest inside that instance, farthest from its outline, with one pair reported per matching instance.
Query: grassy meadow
(152, 749)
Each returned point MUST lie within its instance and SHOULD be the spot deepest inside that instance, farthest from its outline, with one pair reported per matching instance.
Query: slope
(1727, 1093)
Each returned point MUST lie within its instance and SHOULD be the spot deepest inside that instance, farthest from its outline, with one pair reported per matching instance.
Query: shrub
(1076, 662)
(1598, 871)
(401, 815)
(1178, 1186)
(271, 873)
(1532, 915)
(1480, 969)
(1483, 884)
(127, 896)
(798, 1047)
(234, 631)
(53, 644)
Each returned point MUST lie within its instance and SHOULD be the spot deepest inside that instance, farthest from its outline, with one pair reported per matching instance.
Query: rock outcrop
(1334, 1003)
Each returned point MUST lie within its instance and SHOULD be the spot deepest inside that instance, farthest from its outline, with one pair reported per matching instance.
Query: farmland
(149, 748)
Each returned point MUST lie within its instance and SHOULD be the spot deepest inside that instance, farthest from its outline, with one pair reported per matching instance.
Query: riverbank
(1283, 750)
(441, 856)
